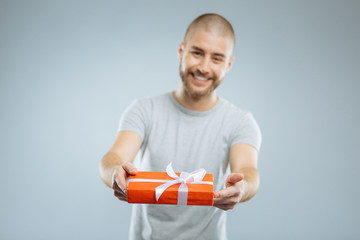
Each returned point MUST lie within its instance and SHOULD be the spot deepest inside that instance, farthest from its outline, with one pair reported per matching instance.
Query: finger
(218, 200)
(129, 168)
(120, 178)
(121, 196)
(122, 174)
(119, 193)
(234, 178)
(228, 201)
(227, 193)
(217, 194)
(218, 206)
(225, 207)
(117, 187)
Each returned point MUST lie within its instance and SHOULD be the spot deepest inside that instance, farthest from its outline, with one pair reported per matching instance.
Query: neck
(201, 104)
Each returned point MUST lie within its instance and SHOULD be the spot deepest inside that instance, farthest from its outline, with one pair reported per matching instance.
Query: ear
(181, 50)
(230, 63)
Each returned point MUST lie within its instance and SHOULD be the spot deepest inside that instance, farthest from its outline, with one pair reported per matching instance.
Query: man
(192, 128)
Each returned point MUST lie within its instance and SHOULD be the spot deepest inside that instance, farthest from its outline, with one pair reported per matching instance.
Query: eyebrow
(201, 50)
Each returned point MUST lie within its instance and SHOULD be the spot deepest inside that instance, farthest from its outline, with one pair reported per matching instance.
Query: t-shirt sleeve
(135, 118)
(247, 131)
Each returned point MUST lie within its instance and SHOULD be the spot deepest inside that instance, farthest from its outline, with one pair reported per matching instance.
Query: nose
(204, 66)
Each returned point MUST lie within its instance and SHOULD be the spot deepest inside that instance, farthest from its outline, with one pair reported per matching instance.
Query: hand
(122, 174)
(228, 197)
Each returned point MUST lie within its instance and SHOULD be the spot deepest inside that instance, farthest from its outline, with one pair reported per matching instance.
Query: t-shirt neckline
(192, 112)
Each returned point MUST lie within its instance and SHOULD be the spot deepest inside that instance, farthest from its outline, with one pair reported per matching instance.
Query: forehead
(210, 41)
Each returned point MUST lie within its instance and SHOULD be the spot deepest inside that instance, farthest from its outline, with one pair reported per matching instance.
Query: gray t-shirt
(190, 140)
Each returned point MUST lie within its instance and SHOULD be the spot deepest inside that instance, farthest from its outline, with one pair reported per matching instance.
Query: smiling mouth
(202, 79)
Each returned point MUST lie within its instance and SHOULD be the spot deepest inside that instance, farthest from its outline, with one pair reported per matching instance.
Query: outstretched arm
(243, 182)
(116, 164)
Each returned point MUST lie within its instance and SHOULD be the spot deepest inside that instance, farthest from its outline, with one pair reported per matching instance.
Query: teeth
(200, 78)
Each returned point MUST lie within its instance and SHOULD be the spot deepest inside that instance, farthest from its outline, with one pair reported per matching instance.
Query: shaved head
(211, 22)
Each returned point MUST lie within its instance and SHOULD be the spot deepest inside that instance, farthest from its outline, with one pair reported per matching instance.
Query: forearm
(107, 167)
(251, 183)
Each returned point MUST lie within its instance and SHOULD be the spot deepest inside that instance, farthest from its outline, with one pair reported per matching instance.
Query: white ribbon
(185, 178)
(194, 177)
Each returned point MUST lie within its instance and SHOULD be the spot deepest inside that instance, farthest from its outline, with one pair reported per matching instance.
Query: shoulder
(232, 111)
(238, 119)
(150, 101)
(241, 126)
(153, 99)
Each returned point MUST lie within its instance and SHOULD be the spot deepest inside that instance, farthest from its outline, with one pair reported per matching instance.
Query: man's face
(204, 61)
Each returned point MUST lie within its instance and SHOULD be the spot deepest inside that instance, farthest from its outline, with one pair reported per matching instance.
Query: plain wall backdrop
(68, 69)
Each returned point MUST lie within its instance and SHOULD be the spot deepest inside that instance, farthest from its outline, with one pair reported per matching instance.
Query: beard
(193, 92)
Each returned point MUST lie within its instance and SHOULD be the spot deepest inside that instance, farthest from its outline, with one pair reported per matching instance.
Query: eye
(218, 59)
(196, 53)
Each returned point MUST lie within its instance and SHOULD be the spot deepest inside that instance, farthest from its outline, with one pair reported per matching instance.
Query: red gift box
(181, 189)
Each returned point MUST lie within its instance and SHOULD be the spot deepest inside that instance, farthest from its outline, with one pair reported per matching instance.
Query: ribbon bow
(184, 179)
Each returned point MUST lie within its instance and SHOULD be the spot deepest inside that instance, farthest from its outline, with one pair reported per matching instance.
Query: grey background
(69, 68)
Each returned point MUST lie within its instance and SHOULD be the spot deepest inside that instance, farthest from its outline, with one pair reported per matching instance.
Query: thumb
(234, 178)
(129, 168)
